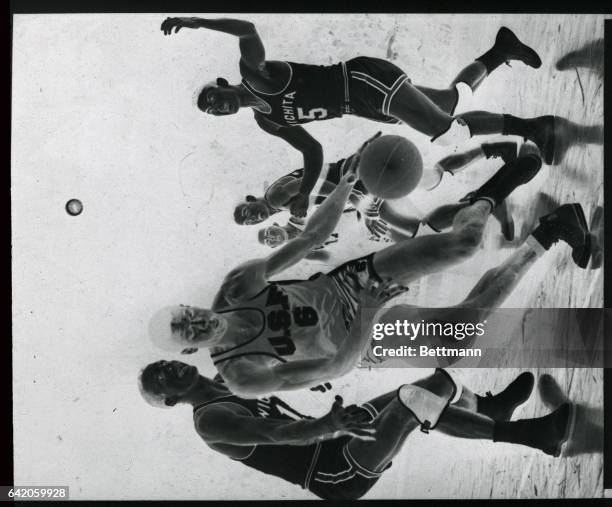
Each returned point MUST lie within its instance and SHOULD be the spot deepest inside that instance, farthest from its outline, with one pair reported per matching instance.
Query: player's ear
(170, 401)
(191, 350)
(251, 198)
(222, 82)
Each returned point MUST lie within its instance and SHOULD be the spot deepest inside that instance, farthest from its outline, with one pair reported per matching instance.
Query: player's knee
(467, 241)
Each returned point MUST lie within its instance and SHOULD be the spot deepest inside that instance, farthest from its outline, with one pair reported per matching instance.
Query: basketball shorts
(337, 475)
(338, 169)
(350, 279)
(369, 87)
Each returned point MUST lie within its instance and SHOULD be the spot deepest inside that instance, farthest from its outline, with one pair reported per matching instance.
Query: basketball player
(343, 454)
(284, 95)
(268, 336)
(379, 216)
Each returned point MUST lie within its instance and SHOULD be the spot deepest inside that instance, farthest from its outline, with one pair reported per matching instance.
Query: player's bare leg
(507, 48)
(409, 260)
(395, 423)
(412, 259)
(566, 223)
(457, 162)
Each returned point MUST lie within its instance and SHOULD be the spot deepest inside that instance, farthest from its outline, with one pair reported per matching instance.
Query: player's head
(163, 383)
(186, 328)
(218, 98)
(272, 236)
(252, 211)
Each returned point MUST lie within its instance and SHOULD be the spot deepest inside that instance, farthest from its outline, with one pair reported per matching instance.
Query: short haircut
(238, 216)
(149, 388)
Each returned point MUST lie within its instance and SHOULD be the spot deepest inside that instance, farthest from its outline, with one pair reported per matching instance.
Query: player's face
(251, 213)
(275, 236)
(222, 101)
(174, 377)
(195, 327)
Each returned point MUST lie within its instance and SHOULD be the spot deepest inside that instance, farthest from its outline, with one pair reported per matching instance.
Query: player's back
(289, 462)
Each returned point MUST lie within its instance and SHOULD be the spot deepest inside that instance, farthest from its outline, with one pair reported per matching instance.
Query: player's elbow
(313, 149)
(249, 28)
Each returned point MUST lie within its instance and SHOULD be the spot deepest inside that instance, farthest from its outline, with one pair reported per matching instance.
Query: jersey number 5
(316, 113)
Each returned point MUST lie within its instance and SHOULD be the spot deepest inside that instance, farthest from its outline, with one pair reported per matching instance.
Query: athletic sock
(516, 126)
(492, 59)
(514, 432)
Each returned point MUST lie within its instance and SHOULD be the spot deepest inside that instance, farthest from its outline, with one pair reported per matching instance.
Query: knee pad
(455, 380)
(426, 406)
(457, 133)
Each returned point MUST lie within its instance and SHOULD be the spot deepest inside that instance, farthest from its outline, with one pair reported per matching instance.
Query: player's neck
(205, 391)
(247, 99)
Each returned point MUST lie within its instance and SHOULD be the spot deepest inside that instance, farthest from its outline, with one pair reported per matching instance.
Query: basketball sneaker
(507, 179)
(569, 224)
(512, 48)
(505, 150)
(547, 433)
(501, 406)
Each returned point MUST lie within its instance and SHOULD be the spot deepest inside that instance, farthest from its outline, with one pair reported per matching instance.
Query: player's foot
(550, 432)
(504, 216)
(590, 56)
(505, 150)
(569, 224)
(543, 135)
(501, 406)
(513, 49)
(507, 179)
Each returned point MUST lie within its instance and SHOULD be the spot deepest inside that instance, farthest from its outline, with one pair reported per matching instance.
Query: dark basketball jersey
(313, 92)
(331, 172)
(293, 463)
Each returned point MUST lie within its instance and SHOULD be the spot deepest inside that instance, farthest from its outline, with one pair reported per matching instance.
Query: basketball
(391, 167)
(74, 207)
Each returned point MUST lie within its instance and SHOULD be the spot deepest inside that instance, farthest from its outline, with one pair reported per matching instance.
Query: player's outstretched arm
(320, 226)
(249, 379)
(311, 150)
(252, 50)
(220, 424)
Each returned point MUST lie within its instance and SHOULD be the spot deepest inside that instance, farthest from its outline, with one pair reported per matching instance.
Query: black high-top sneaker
(505, 150)
(513, 49)
(501, 406)
(569, 224)
(547, 433)
(507, 179)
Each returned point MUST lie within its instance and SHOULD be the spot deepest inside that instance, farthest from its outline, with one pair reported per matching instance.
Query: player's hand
(352, 421)
(379, 229)
(177, 24)
(354, 164)
(322, 387)
(299, 205)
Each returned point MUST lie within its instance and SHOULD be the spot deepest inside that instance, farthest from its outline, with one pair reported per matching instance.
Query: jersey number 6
(316, 113)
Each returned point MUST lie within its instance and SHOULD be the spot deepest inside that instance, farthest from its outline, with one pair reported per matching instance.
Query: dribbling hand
(352, 421)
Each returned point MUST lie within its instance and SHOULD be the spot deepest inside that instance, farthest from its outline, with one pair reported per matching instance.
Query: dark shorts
(370, 85)
(350, 279)
(337, 476)
(338, 169)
